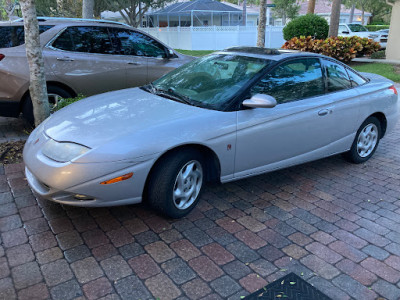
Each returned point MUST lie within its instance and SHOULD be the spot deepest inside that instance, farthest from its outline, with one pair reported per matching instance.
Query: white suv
(359, 30)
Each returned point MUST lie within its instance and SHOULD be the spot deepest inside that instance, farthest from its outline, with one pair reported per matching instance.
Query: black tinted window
(355, 79)
(128, 42)
(337, 77)
(293, 80)
(13, 36)
(85, 39)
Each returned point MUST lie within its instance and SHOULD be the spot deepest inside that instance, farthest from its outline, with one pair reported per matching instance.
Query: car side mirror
(169, 53)
(260, 101)
(346, 32)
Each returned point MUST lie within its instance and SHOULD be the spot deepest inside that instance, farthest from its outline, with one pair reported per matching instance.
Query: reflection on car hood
(101, 118)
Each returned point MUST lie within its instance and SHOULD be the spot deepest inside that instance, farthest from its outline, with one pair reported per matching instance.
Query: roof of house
(321, 7)
(250, 9)
(325, 7)
(196, 5)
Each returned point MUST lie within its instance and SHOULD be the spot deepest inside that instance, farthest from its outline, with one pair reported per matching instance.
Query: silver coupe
(226, 116)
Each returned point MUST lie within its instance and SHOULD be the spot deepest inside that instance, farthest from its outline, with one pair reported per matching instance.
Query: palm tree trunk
(261, 25)
(87, 9)
(335, 16)
(244, 17)
(311, 7)
(37, 86)
(353, 7)
(362, 16)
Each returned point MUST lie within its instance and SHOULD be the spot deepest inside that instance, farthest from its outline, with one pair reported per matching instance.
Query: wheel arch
(213, 167)
(48, 83)
(382, 120)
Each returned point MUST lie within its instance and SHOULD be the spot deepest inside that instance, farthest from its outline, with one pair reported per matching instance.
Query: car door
(341, 90)
(298, 129)
(129, 50)
(83, 58)
(159, 60)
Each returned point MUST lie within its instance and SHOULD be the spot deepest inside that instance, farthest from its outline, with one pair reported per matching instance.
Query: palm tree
(37, 86)
(87, 9)
(311, 6)
(261, 25)
(335, 16)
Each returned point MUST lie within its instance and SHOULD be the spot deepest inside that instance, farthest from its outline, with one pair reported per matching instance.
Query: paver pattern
(335, 224)
(12, 129)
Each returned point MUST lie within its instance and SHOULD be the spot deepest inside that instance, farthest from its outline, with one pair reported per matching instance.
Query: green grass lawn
(387, 70)
(195, 52)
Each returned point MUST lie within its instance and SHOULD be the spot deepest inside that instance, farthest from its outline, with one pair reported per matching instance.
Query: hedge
(341, 48)
(377, 27)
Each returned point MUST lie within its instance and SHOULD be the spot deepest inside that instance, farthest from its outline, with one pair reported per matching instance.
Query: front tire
(365, 142)
(176, 182)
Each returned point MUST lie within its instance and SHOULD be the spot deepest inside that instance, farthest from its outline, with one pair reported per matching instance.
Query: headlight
(373, 36)
(63, 151)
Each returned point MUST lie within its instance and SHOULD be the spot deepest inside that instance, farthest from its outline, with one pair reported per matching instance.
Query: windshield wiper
(170, 93)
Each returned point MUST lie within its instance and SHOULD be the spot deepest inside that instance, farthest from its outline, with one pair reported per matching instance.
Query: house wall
(393, 46)
(344, 18)
(215, 37)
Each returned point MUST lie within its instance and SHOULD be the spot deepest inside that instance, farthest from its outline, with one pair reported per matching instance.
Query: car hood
(98, 119)
(363, 34)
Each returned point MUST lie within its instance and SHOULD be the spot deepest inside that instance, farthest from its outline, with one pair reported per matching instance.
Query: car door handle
(65, 59)
(134, 63)
(323, 112)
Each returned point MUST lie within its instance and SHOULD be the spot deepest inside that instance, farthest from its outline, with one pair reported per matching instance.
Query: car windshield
(211, 81)
(357, 28)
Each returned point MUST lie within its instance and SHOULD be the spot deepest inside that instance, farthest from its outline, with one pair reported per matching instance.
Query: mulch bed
(11, 152)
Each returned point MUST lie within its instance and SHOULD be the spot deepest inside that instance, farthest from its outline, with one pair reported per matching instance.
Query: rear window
(13, 36)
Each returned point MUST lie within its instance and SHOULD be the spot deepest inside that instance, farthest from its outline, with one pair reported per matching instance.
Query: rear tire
(53, 91)
(176, 182)
(365, 142)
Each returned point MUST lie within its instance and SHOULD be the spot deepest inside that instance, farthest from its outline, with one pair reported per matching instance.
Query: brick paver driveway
(335, 224)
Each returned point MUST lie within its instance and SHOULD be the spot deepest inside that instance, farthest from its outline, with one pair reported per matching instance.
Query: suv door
(83, 57)
(298, 129)
(129, 50)
(142, 50)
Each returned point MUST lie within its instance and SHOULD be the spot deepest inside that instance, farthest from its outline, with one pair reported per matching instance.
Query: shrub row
(341, 48)
(377, 27)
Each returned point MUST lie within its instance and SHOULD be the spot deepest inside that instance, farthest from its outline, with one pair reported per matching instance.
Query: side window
(13, 36)
(342, 28)
(293, 80)
(88, 39)
(355, 79)
(337, 77)
(128, 42)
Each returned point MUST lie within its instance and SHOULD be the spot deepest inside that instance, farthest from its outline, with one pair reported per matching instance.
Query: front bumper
(97, 195)
(62, 182)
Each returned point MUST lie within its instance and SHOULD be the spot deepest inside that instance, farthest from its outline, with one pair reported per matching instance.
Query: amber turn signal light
(118, 179)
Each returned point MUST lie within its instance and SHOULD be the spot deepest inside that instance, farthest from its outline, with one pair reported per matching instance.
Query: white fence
(215, 37)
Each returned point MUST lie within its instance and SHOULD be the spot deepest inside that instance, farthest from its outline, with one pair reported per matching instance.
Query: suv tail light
(2, 56)
(393, 88)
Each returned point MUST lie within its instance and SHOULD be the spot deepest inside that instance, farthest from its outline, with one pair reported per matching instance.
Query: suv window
(342, 28)
(337, 77)
(129, 42)
(293, 80)
(88, 39)
(13, 36)
(357, 28)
